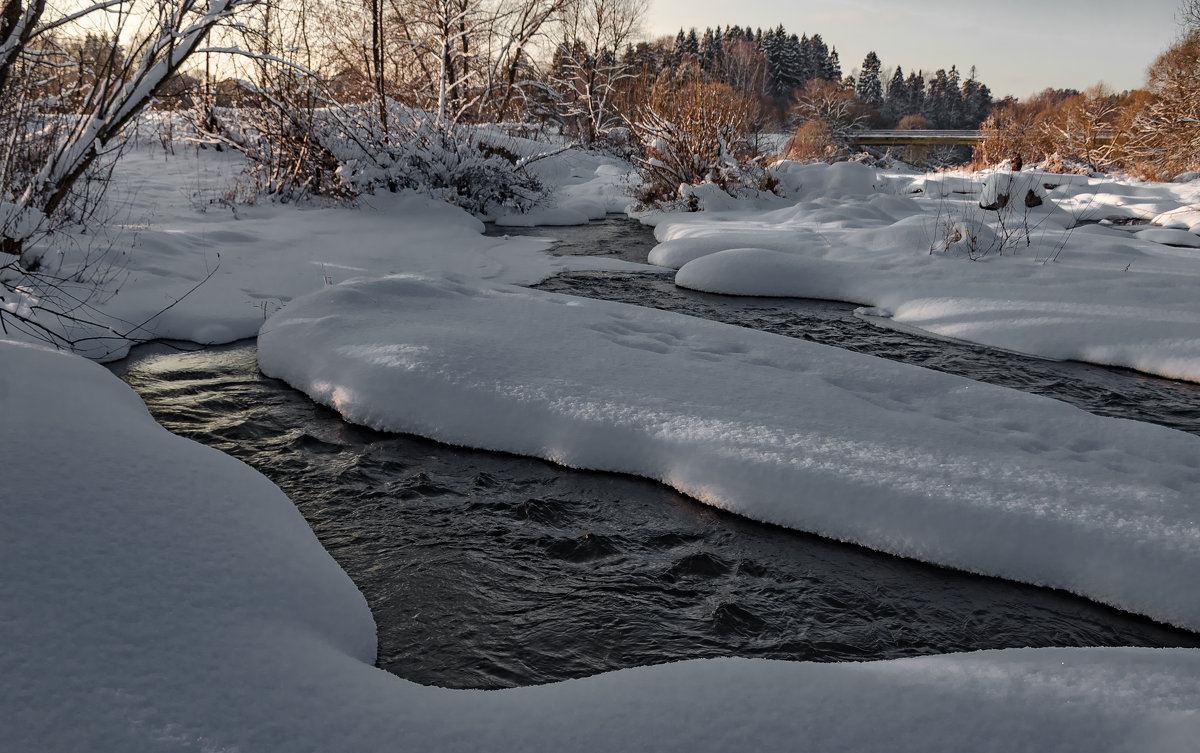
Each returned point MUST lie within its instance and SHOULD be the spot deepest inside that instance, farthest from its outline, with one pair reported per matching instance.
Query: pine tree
(706, 49)
(977, 102)
(952, 98)
(677, 50)
(935, 100)
(895, 102)
(868, 86)
(834, 64)
(915, 84)
(817, 60)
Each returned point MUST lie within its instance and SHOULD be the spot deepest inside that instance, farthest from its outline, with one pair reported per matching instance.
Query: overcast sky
(1019, 47)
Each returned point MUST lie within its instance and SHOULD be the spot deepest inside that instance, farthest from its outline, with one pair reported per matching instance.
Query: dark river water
(487, 570)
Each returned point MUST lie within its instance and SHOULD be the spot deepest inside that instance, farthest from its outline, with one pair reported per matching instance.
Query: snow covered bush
(813, 140)
(345, 150)
(692, 134)
(1004, 189)
(478, 170)
(1011, 212)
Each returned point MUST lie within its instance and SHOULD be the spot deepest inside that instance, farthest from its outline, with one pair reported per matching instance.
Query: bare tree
(1085, 128)
(587, 69)
(1165, 134)
(46, 150)
(833, 104)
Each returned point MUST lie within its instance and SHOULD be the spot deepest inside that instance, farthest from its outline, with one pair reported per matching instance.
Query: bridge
(915, 138)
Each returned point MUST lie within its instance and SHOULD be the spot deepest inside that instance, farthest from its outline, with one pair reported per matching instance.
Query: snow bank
(160, 596)
(1023, 279)
(858, 449)
(181, 230)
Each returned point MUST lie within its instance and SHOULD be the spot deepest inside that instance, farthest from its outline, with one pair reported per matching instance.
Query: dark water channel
(489, 570)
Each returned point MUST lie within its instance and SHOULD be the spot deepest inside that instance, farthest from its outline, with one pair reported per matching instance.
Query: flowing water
(489, 570)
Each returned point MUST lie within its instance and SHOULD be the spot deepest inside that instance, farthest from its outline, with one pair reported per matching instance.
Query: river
(486, 570)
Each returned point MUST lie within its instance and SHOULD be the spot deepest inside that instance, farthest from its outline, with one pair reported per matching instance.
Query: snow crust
(1027, 280)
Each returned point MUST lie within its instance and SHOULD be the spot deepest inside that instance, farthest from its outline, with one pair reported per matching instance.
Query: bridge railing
(905, 138)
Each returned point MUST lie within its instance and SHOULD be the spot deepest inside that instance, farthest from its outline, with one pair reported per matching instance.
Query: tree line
(779, 65)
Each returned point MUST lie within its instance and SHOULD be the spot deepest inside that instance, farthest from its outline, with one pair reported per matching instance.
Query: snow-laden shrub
(471, 168)
(692, 134)
(345, 151)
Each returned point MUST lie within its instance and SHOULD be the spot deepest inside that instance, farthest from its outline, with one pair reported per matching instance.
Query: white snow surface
(854, 448)
(193, 610)
(922, 252)
(159, 596)
(178, 227)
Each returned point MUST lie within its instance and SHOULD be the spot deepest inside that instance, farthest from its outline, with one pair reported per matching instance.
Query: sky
(1018, 47)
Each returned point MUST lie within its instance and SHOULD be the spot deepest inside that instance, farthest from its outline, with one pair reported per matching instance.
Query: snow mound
(1030, 280)
(1012, 190)
(840, 180)
(893, 457)
(1167, 237)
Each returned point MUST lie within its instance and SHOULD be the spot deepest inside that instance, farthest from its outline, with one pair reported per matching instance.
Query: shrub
(913, 122)
(692, 133)
(813, 140)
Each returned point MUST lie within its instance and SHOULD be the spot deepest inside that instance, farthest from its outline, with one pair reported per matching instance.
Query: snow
(160, 596)
(180, 227)
(1030, 280)
(195, 611)
(850, 447)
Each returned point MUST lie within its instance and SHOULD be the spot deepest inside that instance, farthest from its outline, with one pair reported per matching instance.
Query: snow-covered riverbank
(160, 596)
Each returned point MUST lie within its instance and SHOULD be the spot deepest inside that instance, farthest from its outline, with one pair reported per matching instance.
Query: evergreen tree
(677, 50)
(915, 84)
(816, 62)
(953, 102)
(793, 63)
(895, 102)
(868, 87)
(935, 100)
(774, 46)
(977, 102)
(707, 52)
(834, 65)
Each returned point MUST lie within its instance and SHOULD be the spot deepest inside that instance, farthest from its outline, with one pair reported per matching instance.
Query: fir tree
(977, 102)
(952, 99)
(816, 63)
(834, 64)
(915, 84)
(935, 100)
(868, 87)
(895, 102)
(677, 50)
